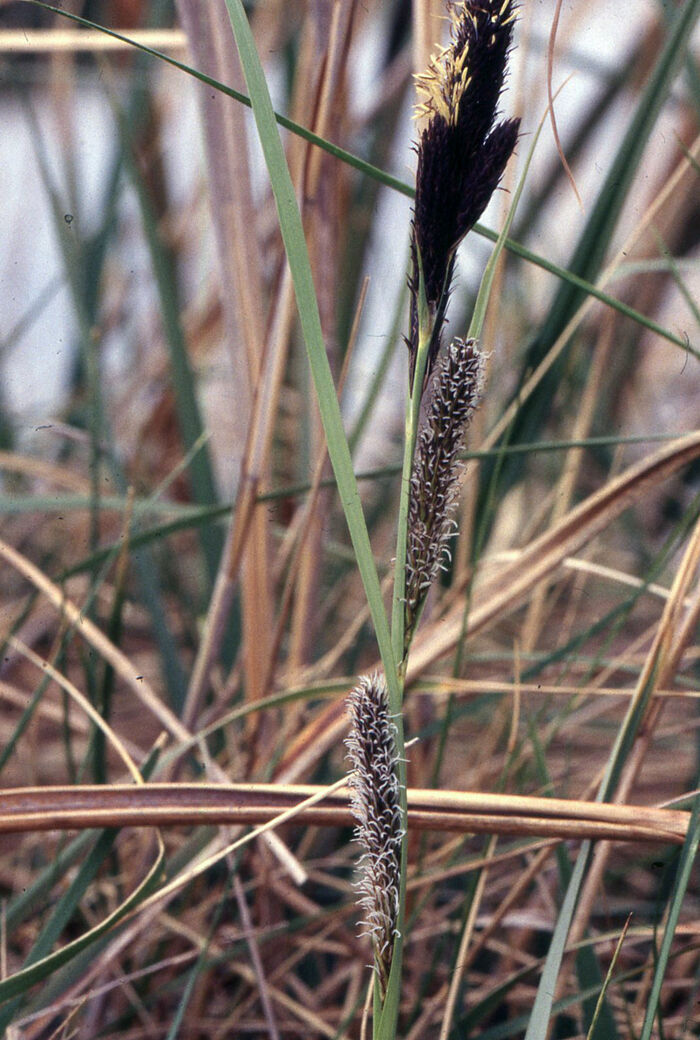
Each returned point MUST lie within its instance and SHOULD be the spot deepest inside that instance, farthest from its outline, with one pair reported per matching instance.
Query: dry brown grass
(573, 596)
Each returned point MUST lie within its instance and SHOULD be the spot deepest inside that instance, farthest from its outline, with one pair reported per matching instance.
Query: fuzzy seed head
(451, 397)
(376, 806)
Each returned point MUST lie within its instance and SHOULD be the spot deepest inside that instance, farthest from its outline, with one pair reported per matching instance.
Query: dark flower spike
(453, 394)
(376, 806)
(461, 154)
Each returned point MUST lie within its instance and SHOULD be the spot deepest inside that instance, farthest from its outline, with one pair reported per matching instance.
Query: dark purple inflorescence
(461, 153)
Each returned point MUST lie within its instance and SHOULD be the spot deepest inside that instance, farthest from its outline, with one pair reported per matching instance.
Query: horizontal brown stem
(158, 805)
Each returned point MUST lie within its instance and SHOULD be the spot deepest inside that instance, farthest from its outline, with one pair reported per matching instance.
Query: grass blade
(41, 963)
(690, 850)
(538, 1026)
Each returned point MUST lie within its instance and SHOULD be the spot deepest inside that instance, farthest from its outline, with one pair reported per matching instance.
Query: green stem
(386, 1012)
(398, 601)
(425, 335)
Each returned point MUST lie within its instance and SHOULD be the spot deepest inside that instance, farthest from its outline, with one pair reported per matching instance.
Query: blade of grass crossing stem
(382, 177)
(288, 124)
(690, 849)
(624, 740)
(300, 268)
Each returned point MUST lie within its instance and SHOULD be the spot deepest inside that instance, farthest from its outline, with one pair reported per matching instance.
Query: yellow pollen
(444, 82)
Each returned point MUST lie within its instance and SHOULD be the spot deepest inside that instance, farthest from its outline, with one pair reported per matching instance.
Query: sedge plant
(462, 154)
(462, 149)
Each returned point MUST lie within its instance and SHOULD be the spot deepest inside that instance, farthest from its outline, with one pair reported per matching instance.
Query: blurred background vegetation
(163, 468)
